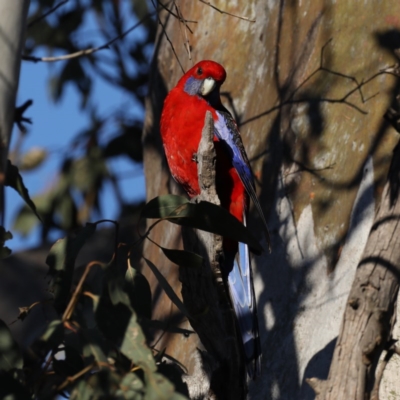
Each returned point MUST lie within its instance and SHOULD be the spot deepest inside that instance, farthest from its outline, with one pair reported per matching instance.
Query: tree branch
(226, 12)
(43, 16)
(204, 293)
(86, 52)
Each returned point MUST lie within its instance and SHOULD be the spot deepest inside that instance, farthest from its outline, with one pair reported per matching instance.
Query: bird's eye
(199, 71)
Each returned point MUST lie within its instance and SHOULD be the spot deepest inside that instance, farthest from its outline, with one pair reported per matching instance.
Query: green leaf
(54, 333)
(26, 220)
(88, 172)
(14, 180)
(162, 206)
(138, 289)
(11, 388)
(95, 345)
(215, 219)
(10, 353)
(131, 387)
(4, 236)
(82, 391)
(183, 258)
(203, 215)
(117, 292)
(61, 262)
(114, 309)
(135, 348)
(167, 288)
(58, 258)
(128, 143)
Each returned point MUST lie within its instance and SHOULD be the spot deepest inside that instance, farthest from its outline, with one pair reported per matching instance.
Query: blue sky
(54, 126)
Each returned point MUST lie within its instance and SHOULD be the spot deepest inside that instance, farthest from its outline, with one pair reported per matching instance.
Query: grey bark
(370, 311)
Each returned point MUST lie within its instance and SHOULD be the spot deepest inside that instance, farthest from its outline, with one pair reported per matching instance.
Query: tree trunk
(371, 307)
(13, 16)
(320, 150)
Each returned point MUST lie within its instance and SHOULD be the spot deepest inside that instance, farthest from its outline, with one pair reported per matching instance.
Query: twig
(166, 35)
(391, 70)
(226, 12)
(86, 52)
(43, 16)
(178, 16)
(74, 299)
(73, 378)
(186, 40)
(19, 118)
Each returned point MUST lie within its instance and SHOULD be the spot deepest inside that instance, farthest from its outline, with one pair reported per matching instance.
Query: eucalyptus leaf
(135, 348)
(162, 206)
(138, 289)
(215, 219)
(14, 180)
(10, 353)
(183, 258)
(94, 344)
(61, 262)
(167, 288)
(54, 333)
(4, 236)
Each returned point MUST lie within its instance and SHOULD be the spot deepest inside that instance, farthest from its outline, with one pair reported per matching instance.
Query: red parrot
(182, 121)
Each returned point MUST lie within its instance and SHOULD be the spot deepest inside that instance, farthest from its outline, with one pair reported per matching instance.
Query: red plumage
(182, 122)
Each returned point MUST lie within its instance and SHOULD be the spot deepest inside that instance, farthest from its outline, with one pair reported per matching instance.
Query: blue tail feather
(240, 282)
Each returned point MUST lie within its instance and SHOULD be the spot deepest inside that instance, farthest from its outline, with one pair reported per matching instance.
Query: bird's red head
(203, 78)
(208, 69)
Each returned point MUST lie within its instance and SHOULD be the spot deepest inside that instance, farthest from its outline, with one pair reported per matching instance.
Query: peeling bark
(205, 296)
(370, 310)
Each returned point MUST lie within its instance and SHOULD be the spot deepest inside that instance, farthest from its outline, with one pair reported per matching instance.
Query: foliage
(96, 343)
(97, 337)
(59, 28)
(97, 347)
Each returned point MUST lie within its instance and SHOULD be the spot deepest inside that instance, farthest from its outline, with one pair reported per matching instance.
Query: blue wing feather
(238, 267)
(228, 133)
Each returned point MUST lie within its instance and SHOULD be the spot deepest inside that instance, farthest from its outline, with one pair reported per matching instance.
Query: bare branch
(86, 52)
(177, 16)
(184, 33)
(167, 37)
(46, 14)
(74, 299)
(391, 70)
(226, 12)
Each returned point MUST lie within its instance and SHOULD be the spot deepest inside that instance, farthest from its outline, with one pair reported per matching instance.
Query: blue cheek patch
(192, 86)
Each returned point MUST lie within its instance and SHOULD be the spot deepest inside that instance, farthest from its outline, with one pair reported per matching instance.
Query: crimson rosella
(182, 121)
